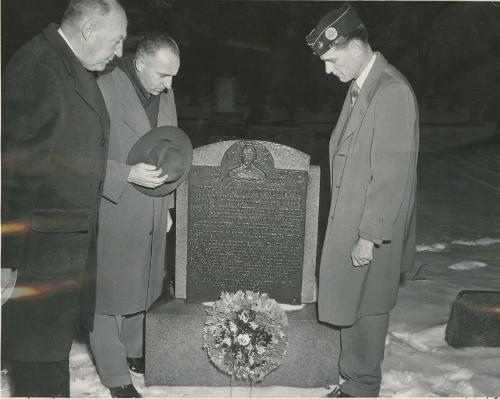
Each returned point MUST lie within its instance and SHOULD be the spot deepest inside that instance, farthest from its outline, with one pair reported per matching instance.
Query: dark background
(449, 51)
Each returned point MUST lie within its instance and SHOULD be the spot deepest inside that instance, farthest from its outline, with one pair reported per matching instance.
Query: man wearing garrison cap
(370, 238)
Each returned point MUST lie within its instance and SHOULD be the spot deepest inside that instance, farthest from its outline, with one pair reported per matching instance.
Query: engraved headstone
(247, 219)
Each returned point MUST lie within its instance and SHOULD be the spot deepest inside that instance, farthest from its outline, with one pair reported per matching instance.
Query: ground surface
(458, 221)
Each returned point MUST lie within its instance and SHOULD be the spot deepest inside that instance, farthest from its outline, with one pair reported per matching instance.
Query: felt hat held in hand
(170, 149)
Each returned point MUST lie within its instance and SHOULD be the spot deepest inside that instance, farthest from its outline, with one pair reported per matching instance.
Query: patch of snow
(480, 241)
(467, 265)
(428, 340)
(438, 247)
(487, 241)
(461, 374)
(469, 243)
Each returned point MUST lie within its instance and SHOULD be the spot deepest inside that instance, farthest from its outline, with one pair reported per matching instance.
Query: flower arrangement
(244, 334)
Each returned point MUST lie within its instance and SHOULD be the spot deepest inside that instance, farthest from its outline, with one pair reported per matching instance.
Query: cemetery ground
(458, 239)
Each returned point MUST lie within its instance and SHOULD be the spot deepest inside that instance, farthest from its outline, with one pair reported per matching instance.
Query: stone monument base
(474, 319)
(174, 355)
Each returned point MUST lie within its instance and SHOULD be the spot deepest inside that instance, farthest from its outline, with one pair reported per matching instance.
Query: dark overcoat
(55, 130)
(132, 225)
(373, 165)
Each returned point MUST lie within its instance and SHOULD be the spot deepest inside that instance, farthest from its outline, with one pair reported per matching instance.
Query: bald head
(96, 30)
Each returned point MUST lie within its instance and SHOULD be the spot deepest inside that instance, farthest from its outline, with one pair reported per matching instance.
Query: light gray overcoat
(132, 226)
(373, 165)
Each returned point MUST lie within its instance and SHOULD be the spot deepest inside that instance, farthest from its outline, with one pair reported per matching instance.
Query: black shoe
(125, 391)
(136, 364)
(337, 393)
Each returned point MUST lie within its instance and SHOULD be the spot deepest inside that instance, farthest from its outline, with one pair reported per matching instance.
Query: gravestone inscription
(246, 218)
(246, 223)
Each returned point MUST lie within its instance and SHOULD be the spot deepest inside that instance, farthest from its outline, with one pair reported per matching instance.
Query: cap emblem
(331, 33)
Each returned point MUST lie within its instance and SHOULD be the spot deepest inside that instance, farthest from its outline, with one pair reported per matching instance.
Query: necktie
(354, 93)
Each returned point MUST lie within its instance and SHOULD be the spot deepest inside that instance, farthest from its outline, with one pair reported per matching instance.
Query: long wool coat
(55, 135)
(373, 160)
(132, 225)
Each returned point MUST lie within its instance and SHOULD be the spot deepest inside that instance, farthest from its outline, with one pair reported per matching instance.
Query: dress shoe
(125, 391)
(136, 364)
(337, 393)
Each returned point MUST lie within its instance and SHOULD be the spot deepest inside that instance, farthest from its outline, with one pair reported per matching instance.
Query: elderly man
(55, 137)
(134, 216)
(370, 235)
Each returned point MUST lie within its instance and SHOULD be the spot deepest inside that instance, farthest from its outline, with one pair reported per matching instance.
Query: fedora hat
(170, 149)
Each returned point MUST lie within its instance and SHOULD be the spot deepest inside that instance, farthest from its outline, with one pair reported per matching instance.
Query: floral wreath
(244, 334)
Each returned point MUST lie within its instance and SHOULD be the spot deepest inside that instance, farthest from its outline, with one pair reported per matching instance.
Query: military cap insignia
(331, 33)
(320, 45)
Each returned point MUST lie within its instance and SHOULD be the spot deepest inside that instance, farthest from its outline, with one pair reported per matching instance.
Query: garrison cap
(334, 28)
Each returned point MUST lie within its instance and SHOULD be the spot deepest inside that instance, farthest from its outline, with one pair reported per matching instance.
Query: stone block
(174, 354)
(474, 319)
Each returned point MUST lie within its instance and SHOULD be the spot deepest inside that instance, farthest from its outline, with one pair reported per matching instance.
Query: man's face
(344, 62)
(248, 155)
(156, 71)
(105, 41)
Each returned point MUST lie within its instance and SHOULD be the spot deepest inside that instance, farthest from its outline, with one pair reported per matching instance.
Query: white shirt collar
(360, 81)
(66, 40)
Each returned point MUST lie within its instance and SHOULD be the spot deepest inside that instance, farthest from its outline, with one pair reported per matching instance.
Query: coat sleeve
(169, 115)
(117, 172)
(115, 181)
(32, 105)
(391, 159)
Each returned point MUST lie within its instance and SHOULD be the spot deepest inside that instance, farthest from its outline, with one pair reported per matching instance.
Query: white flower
(233, 327)
(243, 339)
(243, 316)
(227, 341)
(253, 325)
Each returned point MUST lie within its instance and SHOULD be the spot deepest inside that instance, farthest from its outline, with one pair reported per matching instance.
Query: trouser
(42, 379)
(362, 348)
(115, 338)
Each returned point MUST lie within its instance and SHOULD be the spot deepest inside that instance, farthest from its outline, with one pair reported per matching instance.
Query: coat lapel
(364, 99)
(339, 127)
(133, 112)
(85, 83)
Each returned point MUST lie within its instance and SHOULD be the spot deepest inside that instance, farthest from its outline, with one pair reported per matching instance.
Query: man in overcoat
(133, 226)
(370, 238)
(55, 130)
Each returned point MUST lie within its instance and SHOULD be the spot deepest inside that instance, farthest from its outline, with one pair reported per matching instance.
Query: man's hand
(362, 252)
(146, 175)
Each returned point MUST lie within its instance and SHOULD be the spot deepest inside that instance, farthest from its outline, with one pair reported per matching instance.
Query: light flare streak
(30, 292)
(14, 227)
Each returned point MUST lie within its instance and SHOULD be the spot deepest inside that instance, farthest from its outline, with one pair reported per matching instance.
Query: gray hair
(80, 8)
(152, 43)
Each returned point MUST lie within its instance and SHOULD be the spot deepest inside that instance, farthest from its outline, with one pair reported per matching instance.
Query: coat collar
(352, 118)
(134, 114)
(133, 111)
(85, 83)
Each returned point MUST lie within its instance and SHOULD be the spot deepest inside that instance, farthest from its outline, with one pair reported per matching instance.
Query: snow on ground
(467, 265)
(418, 361)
